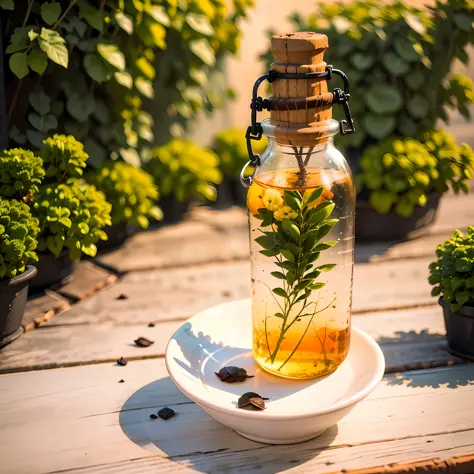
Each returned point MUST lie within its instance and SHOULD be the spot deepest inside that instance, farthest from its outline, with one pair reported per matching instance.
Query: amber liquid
(312, 346)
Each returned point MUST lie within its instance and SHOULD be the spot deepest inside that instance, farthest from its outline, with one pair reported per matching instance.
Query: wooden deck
(63, 407)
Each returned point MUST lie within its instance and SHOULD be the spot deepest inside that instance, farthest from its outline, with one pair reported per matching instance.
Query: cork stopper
(300, 107)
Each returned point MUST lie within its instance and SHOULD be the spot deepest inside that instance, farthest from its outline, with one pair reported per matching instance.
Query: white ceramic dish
(296, 410)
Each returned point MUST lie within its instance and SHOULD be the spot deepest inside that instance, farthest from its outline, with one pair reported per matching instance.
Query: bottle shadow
(195, 439)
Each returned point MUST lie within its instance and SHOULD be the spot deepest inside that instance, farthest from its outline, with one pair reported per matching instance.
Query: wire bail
(255, 131)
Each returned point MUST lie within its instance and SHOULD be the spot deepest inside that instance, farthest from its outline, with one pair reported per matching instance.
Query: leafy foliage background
(90, 68)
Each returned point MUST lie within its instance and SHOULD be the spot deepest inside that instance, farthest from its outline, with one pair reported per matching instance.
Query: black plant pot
(13, 295)
(173, 210)
(459, 330)
(52, 270)
(372, 226)
(117, 234)
(230, 193)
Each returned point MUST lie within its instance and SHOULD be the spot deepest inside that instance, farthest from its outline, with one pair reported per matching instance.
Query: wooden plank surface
(218, 236)
(410, 339)
(83, 418)
(42, 307)
(177, 294)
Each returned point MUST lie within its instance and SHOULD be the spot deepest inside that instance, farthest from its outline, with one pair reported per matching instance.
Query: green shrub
(18, 231)
(71, 216)
(131, 192)
(455, 163)
(400, 173)
(231, 147)
(452, 275)
(90, 68)
(20, 173)
(185, 170)
(63, 157)
(398, 59)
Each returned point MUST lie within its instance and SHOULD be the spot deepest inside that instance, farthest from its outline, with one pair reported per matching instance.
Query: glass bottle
(301, 213)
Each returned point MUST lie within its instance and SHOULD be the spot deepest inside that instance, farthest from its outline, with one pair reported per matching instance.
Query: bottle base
(302, 376)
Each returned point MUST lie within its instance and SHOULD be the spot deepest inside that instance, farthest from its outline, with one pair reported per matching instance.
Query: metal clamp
(255, 131)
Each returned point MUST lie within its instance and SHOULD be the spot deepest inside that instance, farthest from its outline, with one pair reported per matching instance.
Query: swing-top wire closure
(255, 130)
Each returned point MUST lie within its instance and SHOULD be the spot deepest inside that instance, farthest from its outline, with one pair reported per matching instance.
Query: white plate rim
(335, 407)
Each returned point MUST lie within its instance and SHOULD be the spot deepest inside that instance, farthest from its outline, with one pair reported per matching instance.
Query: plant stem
(28, 11)
(15, 98)
(304, 334)
(61, 18)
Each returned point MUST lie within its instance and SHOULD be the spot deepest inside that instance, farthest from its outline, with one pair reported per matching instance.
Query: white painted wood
(82, 417)
(420, 332)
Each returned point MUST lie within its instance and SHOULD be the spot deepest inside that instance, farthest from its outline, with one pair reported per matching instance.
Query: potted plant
(18, 231)
(72, 214)
(452, 276)
(399, 61)
(133, 196)
(231, 148)
(400, 183)
(183, 171)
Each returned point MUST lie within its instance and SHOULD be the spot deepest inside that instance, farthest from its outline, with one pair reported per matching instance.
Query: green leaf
(112, 54)
(93, 16)
(96, 68)
(66, 222)
(294, 249)
(325, 245)
(302, 285)
(362, 61)
(384, 99)
(32, 35)
(285, 265)
(314, 274)
(203, 50)
(463, 21)
(414, 22)
(462, 297)
(79, 106)
(17, 136)
(291, 229)
(288, 255)
(54, 245)
(327, 267)
(43, 123)
(40, 101)
(418, 106)
(52, 43)
(279, 315)
(7, 5)
(125, 22)
(37, 60)
(200, 23)
(315, 195)
(270, 253)
(278, 275)
(325, 228)
(321, 212)
(291, 201)
(124, 79)
(382, 200)
(317, 285)
(19, 40)
(158, 13)
(19, 64)
(145, 87)
(36, 138)
(404, 48)
(379, 126)
(265, 241)
(50, 12)
(394, 64)
(280, 292)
